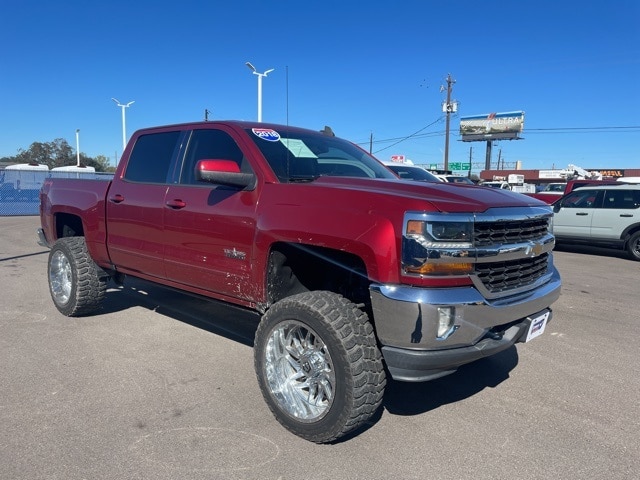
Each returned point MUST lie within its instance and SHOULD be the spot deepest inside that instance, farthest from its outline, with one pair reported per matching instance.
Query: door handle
(176, 204)
(117, 198)
(626, 215)
(582, 214)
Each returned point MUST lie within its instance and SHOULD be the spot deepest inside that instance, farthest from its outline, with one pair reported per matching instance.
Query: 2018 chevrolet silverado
(358, 274)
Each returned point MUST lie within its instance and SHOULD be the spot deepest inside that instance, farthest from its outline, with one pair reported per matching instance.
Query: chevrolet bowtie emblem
(533, 250)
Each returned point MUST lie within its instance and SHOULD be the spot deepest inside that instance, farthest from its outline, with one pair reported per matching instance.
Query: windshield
(299, 156)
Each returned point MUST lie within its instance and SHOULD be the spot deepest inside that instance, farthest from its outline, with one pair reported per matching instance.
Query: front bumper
(406, 322)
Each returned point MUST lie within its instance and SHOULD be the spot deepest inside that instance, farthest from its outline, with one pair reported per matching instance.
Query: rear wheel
(318, 365)
(633, 246)
(77, 285)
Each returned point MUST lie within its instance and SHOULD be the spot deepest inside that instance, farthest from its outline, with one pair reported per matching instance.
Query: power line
(402, 139)
(555, 130)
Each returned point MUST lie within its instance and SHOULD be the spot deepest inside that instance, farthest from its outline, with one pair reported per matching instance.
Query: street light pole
(260, 75)
(77, 147)
(124, 129)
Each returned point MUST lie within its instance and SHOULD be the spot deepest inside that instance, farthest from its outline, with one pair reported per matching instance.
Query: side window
(581, 199)
(622, 199)
(151, 157)
(210, 144)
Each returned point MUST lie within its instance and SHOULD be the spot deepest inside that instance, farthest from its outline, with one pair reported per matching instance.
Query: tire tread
(368, 378)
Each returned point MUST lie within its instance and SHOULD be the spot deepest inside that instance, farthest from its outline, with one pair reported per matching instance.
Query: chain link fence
(20, 190)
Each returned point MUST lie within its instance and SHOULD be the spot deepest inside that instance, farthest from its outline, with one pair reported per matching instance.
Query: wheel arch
(295, 268)
(68, 225)
(630, 230)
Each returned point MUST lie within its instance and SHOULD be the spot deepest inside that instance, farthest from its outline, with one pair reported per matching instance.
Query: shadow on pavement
(229, 321)
(238, 324)
(403, 398)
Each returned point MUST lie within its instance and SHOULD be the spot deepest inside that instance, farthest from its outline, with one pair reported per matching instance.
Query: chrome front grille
(504, 276)
(509, 232)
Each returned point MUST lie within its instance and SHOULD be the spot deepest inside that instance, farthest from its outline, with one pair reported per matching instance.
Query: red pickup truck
(358, 275)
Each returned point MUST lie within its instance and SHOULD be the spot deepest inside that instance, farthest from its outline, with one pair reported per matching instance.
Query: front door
(209, 229)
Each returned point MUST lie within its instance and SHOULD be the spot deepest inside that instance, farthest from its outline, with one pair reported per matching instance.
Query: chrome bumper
(406, 322)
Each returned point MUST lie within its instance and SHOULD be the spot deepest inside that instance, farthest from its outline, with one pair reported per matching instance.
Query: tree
(53, 154)
(57, 153)
(100, 163)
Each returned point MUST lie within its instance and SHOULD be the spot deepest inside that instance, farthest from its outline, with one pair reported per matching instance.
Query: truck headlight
(438, 247)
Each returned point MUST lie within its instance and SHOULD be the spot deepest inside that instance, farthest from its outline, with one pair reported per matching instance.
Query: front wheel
(77, 285)
(318, 365)
(633, 246)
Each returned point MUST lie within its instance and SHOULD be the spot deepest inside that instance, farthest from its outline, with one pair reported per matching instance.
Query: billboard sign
(492, 126)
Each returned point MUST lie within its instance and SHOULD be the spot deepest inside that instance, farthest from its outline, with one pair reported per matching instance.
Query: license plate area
(538, 324)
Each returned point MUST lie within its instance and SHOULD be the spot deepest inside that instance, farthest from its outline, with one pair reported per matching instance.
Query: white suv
(607, 215)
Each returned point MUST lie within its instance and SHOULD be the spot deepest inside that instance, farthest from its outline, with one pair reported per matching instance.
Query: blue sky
(364, 68)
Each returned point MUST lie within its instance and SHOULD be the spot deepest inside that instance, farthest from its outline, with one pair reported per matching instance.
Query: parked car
(607, 215)
(412, 172)
(455, 179)
(499, 185)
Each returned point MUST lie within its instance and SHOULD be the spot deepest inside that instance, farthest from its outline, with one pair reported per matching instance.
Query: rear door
(135, 205)
(620, 208)
(209, 229)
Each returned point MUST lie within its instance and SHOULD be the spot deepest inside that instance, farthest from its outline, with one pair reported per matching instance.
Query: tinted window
(151, 157)
(209, 145)
(582, 199)
(625, 199)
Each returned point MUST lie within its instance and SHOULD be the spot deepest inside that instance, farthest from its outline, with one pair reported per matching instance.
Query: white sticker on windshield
(266, 134)
(298, 148)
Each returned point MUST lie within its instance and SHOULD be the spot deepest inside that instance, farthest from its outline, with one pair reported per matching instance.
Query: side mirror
(223, 172)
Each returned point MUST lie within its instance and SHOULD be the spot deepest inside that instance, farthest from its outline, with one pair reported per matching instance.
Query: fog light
(446, 317)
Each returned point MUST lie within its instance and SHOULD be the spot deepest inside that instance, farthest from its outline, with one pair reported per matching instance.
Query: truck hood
(444, 197)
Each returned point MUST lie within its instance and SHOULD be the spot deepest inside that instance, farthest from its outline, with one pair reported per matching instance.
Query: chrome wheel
(318, 365)
(299, 371)
(60, 278)
(76, 283)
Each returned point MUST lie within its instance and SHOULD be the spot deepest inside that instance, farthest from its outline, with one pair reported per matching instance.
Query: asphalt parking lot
(161, 385)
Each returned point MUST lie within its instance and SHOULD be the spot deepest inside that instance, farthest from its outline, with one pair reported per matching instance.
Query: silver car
(606, 216)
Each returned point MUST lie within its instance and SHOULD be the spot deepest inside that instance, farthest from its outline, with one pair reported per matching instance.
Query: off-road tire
(318, 365)
(77, 285)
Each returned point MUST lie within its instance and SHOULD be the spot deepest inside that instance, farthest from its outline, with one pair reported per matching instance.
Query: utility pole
(448, 108)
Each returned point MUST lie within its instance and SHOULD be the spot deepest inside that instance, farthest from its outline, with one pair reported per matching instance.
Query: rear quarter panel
(82, 198)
